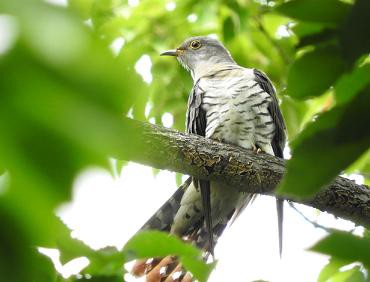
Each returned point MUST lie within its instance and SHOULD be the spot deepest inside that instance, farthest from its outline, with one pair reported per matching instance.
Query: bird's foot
(256, 149)
(167, 269)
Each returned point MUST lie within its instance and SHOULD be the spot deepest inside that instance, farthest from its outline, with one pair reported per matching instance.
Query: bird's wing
(196, 123)
(278, 140)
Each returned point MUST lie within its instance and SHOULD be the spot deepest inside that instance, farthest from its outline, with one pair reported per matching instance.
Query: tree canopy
(64, 92)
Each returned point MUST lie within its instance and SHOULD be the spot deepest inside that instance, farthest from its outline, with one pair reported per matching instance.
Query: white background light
(107, 211)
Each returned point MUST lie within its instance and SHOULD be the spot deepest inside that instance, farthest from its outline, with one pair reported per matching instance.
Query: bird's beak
(174, 53)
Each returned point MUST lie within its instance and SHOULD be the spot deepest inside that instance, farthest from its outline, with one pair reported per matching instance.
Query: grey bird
(231, 104)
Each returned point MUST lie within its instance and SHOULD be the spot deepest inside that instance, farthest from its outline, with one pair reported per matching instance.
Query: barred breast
(237, 109)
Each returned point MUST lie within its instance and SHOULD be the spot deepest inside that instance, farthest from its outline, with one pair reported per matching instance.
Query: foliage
(149, 244)
(329, 63)
(62, 95)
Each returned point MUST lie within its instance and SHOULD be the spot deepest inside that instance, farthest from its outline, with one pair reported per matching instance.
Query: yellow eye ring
(195, 44)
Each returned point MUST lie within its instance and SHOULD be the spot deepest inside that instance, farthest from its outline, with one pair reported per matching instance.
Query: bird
(230, 104)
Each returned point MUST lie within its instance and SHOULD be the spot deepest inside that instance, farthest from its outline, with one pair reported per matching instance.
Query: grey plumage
(231, 104)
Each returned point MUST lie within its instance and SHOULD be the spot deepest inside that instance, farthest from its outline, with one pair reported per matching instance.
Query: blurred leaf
(228, 29)
(294, 113)
(272, 22)
(179, 178)
(65, 115)
(352, 275)
(314, 72)
(331, 268)
(345, 246)
(43, 268)
(71, 248)
(148, 244)
(83, 7)
(155, 171)
(362, 165)
(19, 261)
(14, 249)
(327, 146)
(349, 84)
(103, 11)
(320, 37)
(355, 37)
(107, 261)
(303, 29)
(198, 268)
(120, 164)
(97, 278)
(328, 11)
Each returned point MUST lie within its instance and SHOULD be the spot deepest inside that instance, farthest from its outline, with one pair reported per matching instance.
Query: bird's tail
(169, 269)
(280, 216)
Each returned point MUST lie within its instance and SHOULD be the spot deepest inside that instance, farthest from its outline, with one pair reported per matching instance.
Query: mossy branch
(244, 170)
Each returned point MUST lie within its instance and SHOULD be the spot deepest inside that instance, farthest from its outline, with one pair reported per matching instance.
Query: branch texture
(243, 169)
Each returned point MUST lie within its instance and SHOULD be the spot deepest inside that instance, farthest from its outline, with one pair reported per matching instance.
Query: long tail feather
(280, 216)
(169, 268)
(205, 190)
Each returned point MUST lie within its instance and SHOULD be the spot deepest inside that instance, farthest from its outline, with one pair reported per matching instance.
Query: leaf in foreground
(345, 246)
(148, 244)
(327, 146)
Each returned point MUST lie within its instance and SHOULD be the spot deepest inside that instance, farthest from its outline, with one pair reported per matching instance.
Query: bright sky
(108, 210)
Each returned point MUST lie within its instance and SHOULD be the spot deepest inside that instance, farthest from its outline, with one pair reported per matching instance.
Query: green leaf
(104, 262)
(198, 268)
(178, 179)
(66, 114)
(83, 7)
(272, 22)
(119, 165)
(294, 112)
(321, 37)
(354, 274)
(228, 29)
(43, 268)
(97, 278)
(314, 72)
(302, 29)
(362, 165)
(71, 248)
(345, 246)
(148, 244)
(349, 84)
(107, 261)
(19, 261)
(328, 11)
(327, 146)
(355, 36)
(331, 268)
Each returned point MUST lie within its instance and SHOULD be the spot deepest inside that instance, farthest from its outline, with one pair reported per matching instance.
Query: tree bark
(242, 169)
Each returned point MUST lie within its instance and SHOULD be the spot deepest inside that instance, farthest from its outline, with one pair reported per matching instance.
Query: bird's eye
(195, 44)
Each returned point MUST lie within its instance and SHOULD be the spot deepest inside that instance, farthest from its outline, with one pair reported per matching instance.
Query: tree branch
(243, 169)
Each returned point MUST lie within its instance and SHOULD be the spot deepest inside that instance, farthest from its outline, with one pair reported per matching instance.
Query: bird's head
(200, 52)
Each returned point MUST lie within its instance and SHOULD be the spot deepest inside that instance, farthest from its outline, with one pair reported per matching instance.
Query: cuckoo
(231, 104)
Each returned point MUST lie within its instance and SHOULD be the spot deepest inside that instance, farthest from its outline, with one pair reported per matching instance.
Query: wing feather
(196, 124)
(278, 140)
